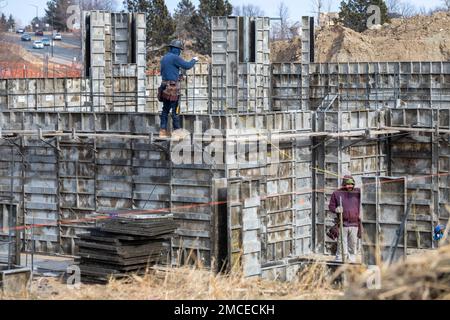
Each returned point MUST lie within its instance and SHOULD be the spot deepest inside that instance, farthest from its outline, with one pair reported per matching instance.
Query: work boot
(163, 133)
(180, 134)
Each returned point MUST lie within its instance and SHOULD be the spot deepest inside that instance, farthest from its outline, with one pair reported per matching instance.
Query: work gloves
(196, 59)
(339, 210)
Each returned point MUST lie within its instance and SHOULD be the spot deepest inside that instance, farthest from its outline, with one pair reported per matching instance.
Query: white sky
(23, 11)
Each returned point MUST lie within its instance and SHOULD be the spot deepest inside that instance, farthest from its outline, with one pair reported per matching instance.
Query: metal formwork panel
(415, 158)
(124, 88)
(190, 202)
(21, 94)
(225, 59)
(384, 205)
(306, 40)
(195, 92)
(141, 58)
(151, 93)
(444, 182)
(262, 38)
(114, 174)
(151, 177)
(303, 221)
(4, 94)
(121, 37)
(279, 204)
(244, 226)
(9, 234)
(76, 190)
(41, 192)
(287, 86)
(100, 28)
(253, 90)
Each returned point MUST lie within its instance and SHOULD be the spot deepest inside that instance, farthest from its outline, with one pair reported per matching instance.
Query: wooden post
(341, 229)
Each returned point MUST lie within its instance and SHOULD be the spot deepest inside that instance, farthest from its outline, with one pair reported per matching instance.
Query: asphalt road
(63, 51)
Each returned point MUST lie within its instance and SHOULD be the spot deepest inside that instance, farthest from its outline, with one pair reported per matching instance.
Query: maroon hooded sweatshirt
(350, 202)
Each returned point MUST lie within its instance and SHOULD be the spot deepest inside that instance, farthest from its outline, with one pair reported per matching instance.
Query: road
(64, 51)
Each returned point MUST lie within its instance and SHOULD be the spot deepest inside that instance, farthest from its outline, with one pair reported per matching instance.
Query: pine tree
(200, 24)
(56, 14)
(183, 14)
(160, 25)
(353, 13)
(3, 23)
(11, 22)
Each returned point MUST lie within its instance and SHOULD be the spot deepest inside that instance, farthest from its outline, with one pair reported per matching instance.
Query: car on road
(25, 37)
(39, 33)
(20, 31)
(57, 36)
(38, 44)
(46, 42)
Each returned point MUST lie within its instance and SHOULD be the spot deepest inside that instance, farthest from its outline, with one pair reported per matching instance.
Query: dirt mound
(286, 50)
(421, 38)
(422, 277)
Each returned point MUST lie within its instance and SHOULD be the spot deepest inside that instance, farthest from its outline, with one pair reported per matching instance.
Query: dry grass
(187, 283)
(425, 276)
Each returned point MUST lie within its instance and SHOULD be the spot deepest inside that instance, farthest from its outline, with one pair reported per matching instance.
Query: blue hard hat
(439, 228)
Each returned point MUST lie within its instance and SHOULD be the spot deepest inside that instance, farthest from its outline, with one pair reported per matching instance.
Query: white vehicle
(57, 36)
(38, 45)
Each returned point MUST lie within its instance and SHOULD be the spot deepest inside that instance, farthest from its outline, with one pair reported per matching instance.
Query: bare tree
(407, 9)
(283, 29)
(393, 6)
(248, 10)
(321, 6)
(400, 8)
(318, 8)
(446, 4)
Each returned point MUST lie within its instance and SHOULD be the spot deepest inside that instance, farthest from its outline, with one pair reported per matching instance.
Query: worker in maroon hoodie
(346, 201)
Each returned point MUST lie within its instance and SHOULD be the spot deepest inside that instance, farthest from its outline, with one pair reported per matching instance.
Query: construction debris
(124, 245)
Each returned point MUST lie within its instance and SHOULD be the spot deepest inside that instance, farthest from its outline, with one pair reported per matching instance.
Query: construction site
(245, 194)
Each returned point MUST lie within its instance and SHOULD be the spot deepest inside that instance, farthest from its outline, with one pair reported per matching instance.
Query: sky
(24, 12)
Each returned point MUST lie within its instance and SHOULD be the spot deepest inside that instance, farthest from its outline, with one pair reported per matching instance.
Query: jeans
(167, 107)
(350, 244)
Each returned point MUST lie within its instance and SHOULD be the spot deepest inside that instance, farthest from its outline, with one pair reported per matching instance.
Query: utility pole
(53, 36)
(37, 11)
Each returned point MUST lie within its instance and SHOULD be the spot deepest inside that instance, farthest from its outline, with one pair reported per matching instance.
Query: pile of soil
(286, 50)
(420, 38)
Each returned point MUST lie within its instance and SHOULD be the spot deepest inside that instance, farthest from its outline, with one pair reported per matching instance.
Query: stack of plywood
(124, 245)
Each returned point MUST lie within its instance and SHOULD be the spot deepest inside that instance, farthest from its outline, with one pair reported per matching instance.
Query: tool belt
(169, 91)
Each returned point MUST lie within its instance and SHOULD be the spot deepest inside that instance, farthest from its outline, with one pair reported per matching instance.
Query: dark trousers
(167, 107)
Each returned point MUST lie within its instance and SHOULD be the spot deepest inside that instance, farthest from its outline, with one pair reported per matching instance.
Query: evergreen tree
(183, 14)
(11, 22)
(3, 23)
(200, 24)
(353, 13)
(56, 14)
(160, 25)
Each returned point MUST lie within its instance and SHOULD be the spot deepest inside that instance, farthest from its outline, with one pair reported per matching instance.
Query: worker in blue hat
(169, 91)
(439, 232)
